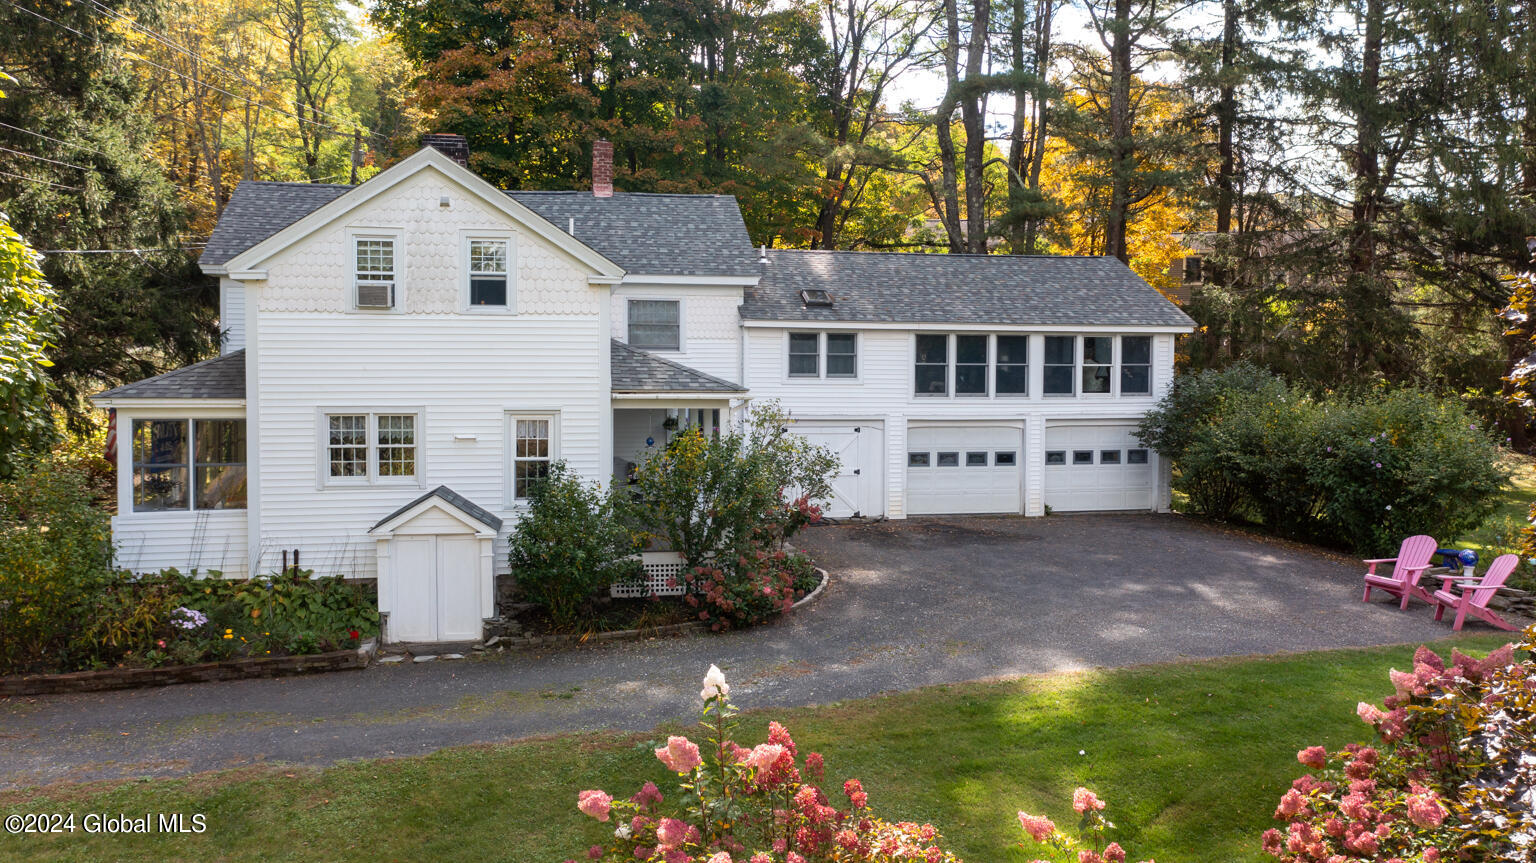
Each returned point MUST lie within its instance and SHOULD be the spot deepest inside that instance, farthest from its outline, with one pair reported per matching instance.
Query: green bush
(571, 543)
(1363, 472)
(55, 562)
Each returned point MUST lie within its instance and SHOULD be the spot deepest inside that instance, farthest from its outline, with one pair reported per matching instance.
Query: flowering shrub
(760, 585)
(1363, 472)
(762, 804)
(1451, 776)
(1092, 824)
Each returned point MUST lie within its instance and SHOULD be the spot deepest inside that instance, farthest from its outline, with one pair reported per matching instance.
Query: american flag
(111, 452)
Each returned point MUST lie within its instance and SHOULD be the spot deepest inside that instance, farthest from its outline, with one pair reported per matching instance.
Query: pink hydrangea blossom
(1290, 804)
(1038, 827)
(671, 833)
(1084, 800)
(1424, 808)
(595, 804)
(763, 756)
(1087, 856)
(681, 755)
(1369, 713)
(721, 857)
(648, 795)
(760, 857)
(1315, 757)
(1113, 853)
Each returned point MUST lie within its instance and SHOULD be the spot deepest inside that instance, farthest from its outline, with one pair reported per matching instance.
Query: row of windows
(1085, 456)
(375, 272)
(181, 465)
(1001, 458)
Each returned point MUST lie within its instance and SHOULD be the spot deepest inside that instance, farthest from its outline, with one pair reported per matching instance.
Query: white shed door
(436, 596)
(859, 487)
(964, 469)
(1097, 467)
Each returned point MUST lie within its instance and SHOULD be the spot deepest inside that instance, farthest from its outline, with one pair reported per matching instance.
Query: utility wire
(56, 140)
(111, 251)
(41, 182)
(45, 159)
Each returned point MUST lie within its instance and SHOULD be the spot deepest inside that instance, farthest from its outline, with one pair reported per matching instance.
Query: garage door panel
(964, 469)
(1097, 467)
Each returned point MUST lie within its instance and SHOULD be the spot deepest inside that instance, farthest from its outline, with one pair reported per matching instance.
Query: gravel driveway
(911, 603)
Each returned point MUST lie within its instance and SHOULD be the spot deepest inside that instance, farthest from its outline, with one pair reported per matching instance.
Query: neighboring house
(403, 357)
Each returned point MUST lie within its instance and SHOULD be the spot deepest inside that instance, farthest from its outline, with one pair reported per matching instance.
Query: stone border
(229, 669)
(529, 641)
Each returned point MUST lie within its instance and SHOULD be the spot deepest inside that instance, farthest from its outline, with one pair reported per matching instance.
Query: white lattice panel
(663, 577)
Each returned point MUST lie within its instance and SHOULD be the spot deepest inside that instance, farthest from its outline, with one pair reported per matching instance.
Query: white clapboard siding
(188, 541)
(231, 315)
(711, 327)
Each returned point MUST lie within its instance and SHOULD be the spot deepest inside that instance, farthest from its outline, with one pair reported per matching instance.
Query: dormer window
(374, 274)
(488, 273)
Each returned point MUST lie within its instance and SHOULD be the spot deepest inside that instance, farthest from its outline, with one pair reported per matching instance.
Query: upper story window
(1135, 365)
(184, 465)
(971, 365)
(374, 272)
(932, 365)
(810, 353)
(488, 274)
(362, 447)
(1193, 269)
(1012, 365)
(1098, 363)
(1060, 365)
(656, 325)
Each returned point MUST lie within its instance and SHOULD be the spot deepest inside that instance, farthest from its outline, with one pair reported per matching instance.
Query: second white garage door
(1097, 467)
(964, 469)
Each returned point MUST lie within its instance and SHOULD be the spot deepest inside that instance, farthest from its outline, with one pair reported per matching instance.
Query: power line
(110, 251)
(56, 140)
(41, 182)
(45, 159)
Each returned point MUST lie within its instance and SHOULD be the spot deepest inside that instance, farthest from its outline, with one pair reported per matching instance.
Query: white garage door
(1097, 467)
(961, 469)
(858, 489)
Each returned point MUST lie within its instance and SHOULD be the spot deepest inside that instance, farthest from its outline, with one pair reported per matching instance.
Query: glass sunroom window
(181, 464)
(159, 465)
(219, 460)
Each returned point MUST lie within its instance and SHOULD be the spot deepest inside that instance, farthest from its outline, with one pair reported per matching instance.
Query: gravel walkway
(911, 604)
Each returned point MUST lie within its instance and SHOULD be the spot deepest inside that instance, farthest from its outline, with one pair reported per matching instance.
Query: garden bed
(229, 669)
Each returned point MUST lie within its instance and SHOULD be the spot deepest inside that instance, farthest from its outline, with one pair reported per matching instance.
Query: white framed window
(932, 365)
(488, 271)
(655, 325)
(188, 464)
(970, 365)
(362, 447)
(1098, 364)
(824, 355)
(533, 445)
(1060, 365)
(1135, 365)
(805, 355)
(1012, 375)
(375, 267)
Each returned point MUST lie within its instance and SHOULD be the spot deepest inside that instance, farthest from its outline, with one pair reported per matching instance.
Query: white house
(402, 357)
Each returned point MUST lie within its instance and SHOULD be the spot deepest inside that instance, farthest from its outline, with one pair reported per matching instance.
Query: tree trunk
(1044, 16)
(1121, 147)
(973, 109)
(949, 212)
(1017, 158)
(1226, 119)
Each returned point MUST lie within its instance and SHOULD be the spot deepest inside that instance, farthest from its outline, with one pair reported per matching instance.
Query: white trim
(423, 159)
(476, 527)
(370, 479)
(509, 497)
(682, 322)
(126, 404)
(966, 326)
(722, 399)
(706, 281)
(470, 235)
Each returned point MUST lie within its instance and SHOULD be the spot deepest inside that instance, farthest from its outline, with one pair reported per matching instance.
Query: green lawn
(1514, 509)
(1191, 758)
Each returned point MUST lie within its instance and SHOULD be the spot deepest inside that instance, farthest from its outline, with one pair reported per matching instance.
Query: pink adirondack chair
(1474, 596)
(1411, 561)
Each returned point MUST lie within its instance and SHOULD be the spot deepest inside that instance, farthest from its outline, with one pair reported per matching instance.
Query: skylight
(816, 297)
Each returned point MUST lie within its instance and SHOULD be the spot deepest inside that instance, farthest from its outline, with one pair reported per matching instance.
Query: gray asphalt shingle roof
(966, 289)
(635, 371)
(646, 234)
(219, 378)
(464, 504)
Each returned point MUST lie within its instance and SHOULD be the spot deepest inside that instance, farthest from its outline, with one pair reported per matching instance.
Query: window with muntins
(655, 325)
(1060, 365)
(1135, 365)
(804, 355)
(181, 464)
(532, 453)
(371, 446)
(374, 273)
(932, 365)
(1098, 362)
(488, 273)
(1012, 365)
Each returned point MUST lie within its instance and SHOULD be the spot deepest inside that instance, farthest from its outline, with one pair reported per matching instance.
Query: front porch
(655, 399)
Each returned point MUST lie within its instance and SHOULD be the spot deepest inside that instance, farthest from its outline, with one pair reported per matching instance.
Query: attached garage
(1097, 466)
(953, 469)
(858, 489)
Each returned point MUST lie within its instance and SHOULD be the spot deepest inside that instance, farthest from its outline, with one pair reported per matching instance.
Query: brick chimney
(602, 169)
(455, 147)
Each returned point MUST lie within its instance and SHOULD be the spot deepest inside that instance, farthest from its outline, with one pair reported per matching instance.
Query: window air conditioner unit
(375, 295)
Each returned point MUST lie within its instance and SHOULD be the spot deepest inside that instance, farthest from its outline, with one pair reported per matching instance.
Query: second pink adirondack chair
(1411, 561)
(1473, 597)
